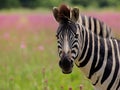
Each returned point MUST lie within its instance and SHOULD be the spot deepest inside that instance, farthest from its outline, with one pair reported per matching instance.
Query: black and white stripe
(96, 26)
(70, 31)
(100, 60)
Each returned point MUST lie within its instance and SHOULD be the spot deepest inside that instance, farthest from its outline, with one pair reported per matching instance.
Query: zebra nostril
(72, 63)
(65, 63)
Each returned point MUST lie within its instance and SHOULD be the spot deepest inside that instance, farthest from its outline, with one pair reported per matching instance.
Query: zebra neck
(86, 57)
(91, 48)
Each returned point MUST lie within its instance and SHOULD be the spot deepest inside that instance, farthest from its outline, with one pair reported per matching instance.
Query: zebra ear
(56, 13)
(75, 14)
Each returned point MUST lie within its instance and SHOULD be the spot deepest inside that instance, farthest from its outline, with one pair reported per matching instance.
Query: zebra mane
(64, 13)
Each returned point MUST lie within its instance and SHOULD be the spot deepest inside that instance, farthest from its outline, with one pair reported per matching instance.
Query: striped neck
(90, 44)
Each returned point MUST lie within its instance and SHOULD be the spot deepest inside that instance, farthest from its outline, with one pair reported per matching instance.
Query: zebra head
(67, 36)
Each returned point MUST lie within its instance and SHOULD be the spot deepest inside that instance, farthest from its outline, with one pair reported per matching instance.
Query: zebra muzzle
(66, 64)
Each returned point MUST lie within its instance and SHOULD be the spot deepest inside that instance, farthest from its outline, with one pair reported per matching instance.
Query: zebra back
(96, 26)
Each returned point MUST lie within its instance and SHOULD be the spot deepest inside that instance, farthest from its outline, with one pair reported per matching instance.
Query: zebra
(97, 57)
(93, 24)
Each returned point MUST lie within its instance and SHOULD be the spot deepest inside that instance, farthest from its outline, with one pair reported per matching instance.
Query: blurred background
(28, 47)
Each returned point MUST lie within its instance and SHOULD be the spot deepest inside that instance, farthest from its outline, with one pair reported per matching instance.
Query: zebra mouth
(67, 71)
(66, 67)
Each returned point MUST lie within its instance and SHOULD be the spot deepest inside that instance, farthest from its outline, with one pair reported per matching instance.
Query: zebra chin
(67, 71)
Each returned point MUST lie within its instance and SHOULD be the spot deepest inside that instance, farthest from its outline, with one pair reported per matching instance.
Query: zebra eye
(57, 36)
(76, 35)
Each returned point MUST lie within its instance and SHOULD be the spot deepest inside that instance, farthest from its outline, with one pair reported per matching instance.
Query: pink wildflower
(70, 88)
(41, 48)
(81, 87)
(23, 45)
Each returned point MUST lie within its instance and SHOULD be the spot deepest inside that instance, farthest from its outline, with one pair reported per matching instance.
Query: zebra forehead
(69, 27)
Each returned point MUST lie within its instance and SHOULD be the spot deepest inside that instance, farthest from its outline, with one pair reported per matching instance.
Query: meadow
(28, 52)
